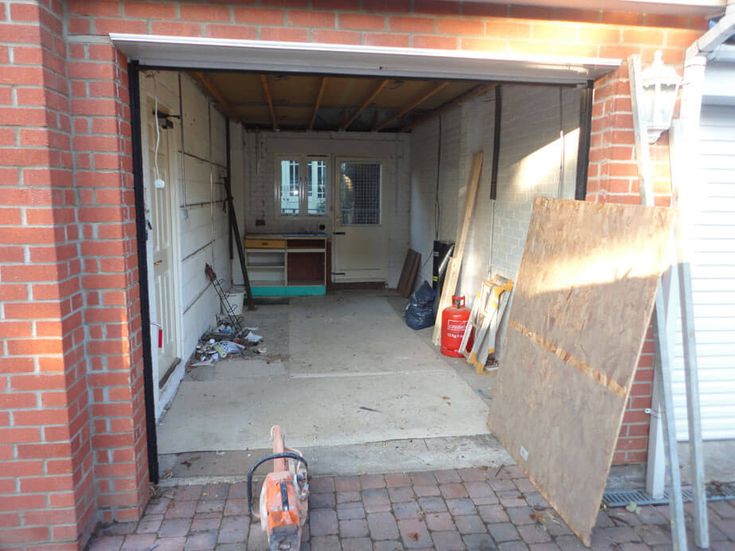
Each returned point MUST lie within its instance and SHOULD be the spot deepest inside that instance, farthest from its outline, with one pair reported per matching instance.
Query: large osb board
(581, 307)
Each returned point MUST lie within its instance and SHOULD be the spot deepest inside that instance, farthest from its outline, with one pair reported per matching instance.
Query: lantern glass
(659, 84)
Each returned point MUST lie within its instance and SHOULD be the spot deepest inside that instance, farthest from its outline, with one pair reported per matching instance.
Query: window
(359, 192)
(303, 187)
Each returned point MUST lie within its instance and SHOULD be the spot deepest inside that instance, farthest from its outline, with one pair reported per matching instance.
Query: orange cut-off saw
(284, 497)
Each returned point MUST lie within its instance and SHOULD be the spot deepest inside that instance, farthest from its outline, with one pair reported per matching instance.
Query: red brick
(150, 10)
(435, 42)
(362, 22)
(258, 16)
(40, 417)
(450, 25)
(312, 19)
(284, 34)
(176, 29)
(335, 37)
(204, 12)
(24, 12)
(105, 26)
(412, 24)
(232, 31)
(393, 40)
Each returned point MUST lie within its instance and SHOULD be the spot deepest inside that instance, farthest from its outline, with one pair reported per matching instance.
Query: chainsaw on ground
(284, 497)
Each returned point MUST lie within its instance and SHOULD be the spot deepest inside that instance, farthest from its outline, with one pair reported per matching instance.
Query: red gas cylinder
(454, 322)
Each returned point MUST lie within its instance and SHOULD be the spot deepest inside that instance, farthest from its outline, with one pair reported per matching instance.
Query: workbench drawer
(253, 243)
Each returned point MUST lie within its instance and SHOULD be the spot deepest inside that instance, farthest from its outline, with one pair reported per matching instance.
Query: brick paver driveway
(443, 510)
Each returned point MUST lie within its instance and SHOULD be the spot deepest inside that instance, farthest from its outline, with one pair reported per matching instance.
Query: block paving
(472, 509)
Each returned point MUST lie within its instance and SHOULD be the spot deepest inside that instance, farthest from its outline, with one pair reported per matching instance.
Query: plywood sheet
(583, 301)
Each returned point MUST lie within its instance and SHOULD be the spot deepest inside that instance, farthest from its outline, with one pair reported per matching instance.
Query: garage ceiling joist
(318, 102)
(411, 106)
(371, 96)
(269, 99)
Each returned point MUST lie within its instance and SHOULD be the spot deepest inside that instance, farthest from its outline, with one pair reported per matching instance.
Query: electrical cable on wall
(183, 150)
(158, 136)
(562, 160)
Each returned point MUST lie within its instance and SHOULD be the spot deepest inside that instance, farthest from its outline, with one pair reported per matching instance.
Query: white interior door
(162, 245)
(359, 242)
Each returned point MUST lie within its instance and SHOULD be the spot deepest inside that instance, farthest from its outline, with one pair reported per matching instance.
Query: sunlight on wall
(546, 163)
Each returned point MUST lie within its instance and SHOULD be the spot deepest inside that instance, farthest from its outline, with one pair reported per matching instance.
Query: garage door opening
(334, 177)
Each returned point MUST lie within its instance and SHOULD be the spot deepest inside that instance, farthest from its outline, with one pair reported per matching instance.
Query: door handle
(157, 262)
(338, 233)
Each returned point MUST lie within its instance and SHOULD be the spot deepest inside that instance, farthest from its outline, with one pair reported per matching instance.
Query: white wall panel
(712, 213)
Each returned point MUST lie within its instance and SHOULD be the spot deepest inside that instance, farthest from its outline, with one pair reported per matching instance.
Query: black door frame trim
(142, 237)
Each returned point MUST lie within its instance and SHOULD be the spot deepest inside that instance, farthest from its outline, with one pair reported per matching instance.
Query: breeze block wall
(72, 422)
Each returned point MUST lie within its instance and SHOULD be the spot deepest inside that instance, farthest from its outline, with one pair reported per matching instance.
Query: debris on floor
(226, 341)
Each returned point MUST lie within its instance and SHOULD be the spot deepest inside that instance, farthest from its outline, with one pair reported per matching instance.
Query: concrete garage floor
(353, 387)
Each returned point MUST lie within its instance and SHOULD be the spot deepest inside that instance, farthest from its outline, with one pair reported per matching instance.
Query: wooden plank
(367, 101)
(318, 102)
(269, 100)
(411, 106)
(408, 273)
(455, 263)
(582, 304)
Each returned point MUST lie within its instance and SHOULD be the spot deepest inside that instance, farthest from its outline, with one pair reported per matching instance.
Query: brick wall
(613, 178)
(46, 473)
(71, 387)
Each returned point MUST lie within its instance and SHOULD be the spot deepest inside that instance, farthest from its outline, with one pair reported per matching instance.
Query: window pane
(359, 193)
(289, 187)
(316, 187)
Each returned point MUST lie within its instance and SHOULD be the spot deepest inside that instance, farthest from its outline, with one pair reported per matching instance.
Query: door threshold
(405, 455)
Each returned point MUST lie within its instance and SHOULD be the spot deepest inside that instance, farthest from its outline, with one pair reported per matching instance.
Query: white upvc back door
(359, 241)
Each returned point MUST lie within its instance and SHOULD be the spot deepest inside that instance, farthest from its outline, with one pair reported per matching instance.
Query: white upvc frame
(343, 59)
(303, 160)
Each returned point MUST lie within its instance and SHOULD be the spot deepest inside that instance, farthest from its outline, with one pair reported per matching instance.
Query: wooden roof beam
(468, 95)
(411, 106)
(318, 102)
(215, 93)
(370, 97)
(269, 99)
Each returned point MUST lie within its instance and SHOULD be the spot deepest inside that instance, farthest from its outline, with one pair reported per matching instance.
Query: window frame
(303, 164)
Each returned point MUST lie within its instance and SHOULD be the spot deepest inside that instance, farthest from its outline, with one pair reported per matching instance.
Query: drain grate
(621, 498)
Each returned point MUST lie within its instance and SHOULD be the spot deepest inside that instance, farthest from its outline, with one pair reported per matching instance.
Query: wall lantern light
(659, 85)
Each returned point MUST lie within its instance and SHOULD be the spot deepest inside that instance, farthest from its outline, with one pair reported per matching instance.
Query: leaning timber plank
(408, 273)
(582, 304)
(452, 276)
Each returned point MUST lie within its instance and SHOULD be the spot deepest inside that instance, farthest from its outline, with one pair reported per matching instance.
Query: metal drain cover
(621, 498)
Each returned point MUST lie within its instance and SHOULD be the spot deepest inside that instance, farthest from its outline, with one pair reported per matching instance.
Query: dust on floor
(339, 370)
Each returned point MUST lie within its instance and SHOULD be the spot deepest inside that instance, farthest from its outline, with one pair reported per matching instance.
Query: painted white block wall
(201, 224)
(262, 149)
(534, 161)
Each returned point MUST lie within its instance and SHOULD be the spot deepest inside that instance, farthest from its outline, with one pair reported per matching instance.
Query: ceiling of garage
(312, 102)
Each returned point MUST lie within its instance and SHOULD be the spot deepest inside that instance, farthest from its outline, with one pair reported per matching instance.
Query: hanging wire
(562, 159)
(158, 132)
(437, 204)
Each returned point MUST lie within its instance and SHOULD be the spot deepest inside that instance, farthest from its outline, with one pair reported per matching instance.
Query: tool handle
(251, 472)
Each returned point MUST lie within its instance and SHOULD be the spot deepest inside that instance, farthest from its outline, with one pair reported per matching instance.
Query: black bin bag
(420, 309)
